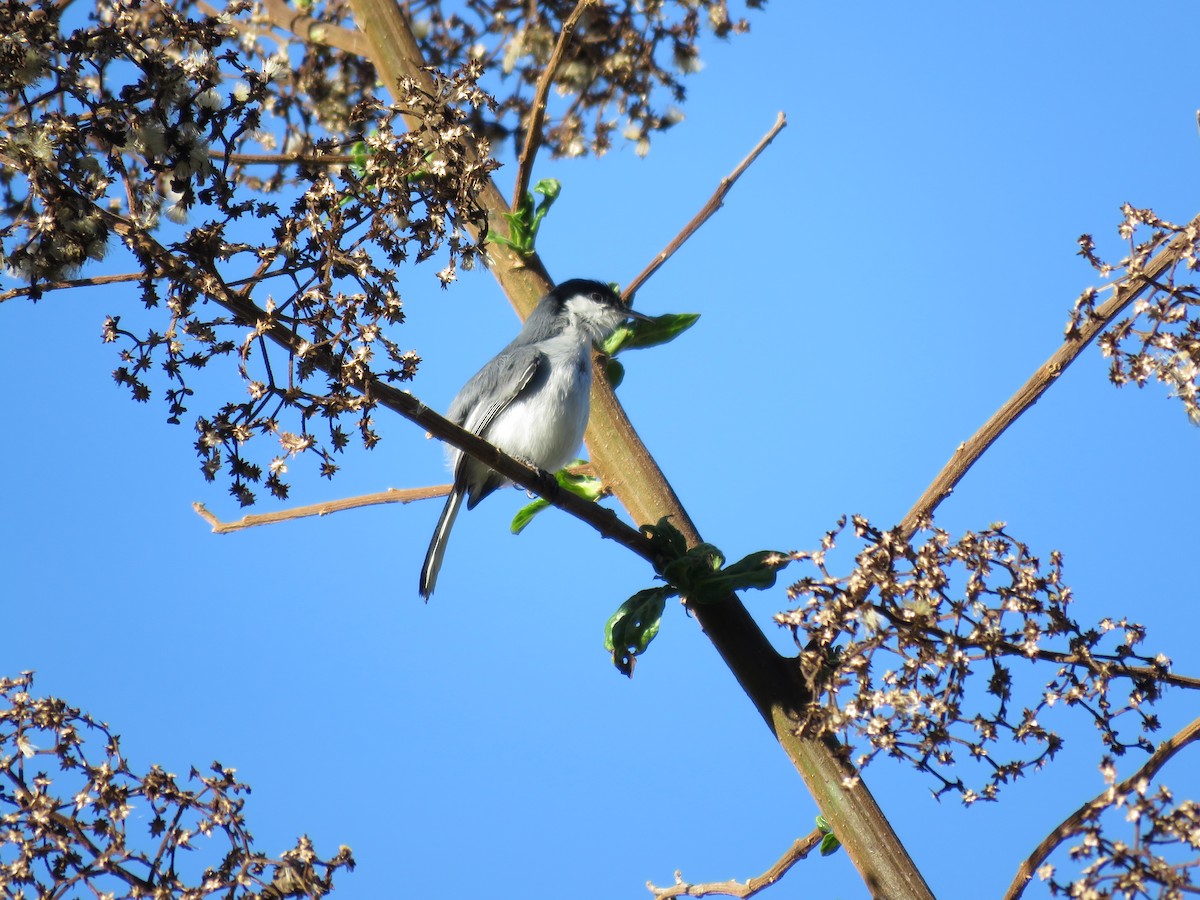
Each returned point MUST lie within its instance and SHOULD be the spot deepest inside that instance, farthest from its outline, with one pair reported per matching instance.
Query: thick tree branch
(772, 682)
(397, 56)
(1124, 293)
(1073, 824)
(309, 29)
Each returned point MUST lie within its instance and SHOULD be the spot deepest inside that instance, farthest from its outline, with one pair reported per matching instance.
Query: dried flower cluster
(266, 194)
(1161, 340)
(298, 230)
(1158, 859)
(621, 59)
(76, 821)
(916, 652)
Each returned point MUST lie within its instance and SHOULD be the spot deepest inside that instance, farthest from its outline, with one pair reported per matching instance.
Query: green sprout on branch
(584, 485)
(829, 843)
(526, 219)
(697, 574)
(633, 336)
(640, 335)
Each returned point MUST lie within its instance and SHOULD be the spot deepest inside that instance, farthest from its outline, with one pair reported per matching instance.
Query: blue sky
(895, 265)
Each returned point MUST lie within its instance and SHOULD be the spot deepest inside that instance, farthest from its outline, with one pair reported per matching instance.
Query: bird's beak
(641, 317)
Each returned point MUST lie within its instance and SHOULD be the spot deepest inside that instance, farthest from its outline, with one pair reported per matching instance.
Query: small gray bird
(531, 400)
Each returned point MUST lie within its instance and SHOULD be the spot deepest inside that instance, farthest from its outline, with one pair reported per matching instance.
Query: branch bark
(772, 681)
(1124, 293)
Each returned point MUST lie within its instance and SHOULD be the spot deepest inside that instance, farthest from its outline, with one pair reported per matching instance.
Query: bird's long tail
(437, 544)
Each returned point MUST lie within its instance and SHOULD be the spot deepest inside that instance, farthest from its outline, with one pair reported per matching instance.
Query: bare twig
(544, 484)
(715, 202)
(1073, 824)
(94, 281)
(800, 849)
(283, 159)
(1047, 373)
(537, 112)
(391, 495)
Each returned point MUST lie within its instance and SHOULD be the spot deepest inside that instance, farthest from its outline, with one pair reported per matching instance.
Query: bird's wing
(489, 393)
(494, 387)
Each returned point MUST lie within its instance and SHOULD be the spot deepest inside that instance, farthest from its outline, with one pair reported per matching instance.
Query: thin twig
(283, 159)
(800, 849)
(537, 112)
(544, 484)
(328, 507)
(391, 495)
(715, 202)
(1074, 822)
(1047, 373)
(640, 485)
(94, 281)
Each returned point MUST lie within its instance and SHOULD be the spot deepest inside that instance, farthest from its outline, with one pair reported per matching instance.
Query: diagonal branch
(396, 55)
(537, 112)
(328, 507)
(1074, 822)
(715, 202)
(307, 28)
(772, 682)
(283, 159)
(391, 495)
(92, 281)
(208, 281)
(743, 889)
(1039, 382)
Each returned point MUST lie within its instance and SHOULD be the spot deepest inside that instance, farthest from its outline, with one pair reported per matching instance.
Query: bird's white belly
(559, 405)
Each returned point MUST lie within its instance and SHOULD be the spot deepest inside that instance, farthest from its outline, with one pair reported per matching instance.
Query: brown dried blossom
(1161, 340)
(622, 72)
(1156, 859)
(266, 193)
(109, 133)
(915, 653)
(75, 819)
